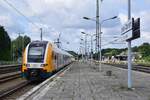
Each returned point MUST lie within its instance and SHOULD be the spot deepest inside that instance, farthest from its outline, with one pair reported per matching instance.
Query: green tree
(5, 45)
(19, 45)
(111, 52)
(144, 49)
(135, 49)
(27, 40)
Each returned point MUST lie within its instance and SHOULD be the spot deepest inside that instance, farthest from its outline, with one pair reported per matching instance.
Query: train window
(55, 57)
(36, 53)
(55, 60)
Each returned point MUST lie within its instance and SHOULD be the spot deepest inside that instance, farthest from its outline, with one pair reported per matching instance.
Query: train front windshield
(36, 54)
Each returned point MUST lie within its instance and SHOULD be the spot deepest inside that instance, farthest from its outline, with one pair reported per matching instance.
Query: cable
(110, 42)
(21, 13)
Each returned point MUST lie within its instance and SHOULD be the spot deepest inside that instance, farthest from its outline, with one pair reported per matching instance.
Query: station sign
(136, 29)
(127, 26)
(131, 30)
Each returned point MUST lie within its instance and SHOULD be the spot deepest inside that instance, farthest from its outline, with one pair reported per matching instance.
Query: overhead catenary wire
(42, 22)
(19, 12)
(110, 42)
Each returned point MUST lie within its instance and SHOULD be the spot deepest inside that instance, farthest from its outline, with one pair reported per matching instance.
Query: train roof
(42, 42)
(58, 50)
(55, 48)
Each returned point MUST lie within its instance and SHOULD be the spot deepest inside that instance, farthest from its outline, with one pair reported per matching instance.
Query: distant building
(122, 57)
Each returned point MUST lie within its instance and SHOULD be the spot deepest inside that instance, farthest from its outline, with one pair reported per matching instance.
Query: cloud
(6, 20)
(65, 16)
(145, 35)
(123, 18)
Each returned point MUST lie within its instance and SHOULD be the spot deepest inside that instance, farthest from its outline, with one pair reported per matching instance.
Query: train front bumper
(35, 74)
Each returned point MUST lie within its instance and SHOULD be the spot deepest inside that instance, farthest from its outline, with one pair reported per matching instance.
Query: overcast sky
(65, 17)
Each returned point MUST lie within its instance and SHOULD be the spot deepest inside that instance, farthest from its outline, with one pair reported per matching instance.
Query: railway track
(12, 89)
(9, 68)
(9, 76)
(11, 82)
(10, 79)
(9, 72)
(140, 68)
(33, 92)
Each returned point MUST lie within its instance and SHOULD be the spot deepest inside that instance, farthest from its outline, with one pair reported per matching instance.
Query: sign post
(129, 48)
(130, 31)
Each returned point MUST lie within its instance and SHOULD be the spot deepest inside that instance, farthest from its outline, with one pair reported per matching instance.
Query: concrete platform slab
(84, 82)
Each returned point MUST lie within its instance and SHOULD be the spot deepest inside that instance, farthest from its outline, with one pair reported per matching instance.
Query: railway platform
(84, 81)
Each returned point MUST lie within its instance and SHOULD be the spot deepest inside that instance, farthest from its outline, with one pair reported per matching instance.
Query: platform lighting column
(91, 47)
(87, 50)
(91, 51)
(85, 44)
(82, 47)
(82, 53)
(41, 36)
(100, 34)
(98, 29)
(86, 47)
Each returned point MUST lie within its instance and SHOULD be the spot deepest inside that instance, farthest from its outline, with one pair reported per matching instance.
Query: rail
(10, 90)
(9, 76)
(137, 67)
(9, 68)
(43, 85)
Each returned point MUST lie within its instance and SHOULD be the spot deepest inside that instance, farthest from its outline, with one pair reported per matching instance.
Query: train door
(55, 60)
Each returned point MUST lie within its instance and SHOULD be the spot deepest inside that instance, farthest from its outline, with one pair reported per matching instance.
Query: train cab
(41, 59)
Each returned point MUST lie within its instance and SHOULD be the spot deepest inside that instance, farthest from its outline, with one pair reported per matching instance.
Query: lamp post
(85, 45)
(81, 43)
(99, 36)
(91, 36)
(100, 40)
(91, 42)
(91, 47)
(58, 42)
(41, 35)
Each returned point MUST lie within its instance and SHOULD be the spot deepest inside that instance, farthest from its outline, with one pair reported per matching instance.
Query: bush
(147, 59)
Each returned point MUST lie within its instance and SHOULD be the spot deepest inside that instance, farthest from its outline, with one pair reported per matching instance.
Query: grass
(136, 63)
(7, 62)
(143, 63)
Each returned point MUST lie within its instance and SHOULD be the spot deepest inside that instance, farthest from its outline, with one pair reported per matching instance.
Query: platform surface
(83, 81)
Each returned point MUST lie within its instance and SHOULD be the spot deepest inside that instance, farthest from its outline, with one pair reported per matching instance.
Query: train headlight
(43, 65)
(28, 65)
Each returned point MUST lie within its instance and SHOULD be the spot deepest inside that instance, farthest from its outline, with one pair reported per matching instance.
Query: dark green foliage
(73, 53)
(144, 49)
(19, 44)
(147, 58)
(111, 52)
(5, 45)
(8, 49)
(27, 40)
(135, 49)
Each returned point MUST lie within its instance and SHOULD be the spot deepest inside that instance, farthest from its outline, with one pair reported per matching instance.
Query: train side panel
(54, 60)
(49, 60)
(24, 61)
